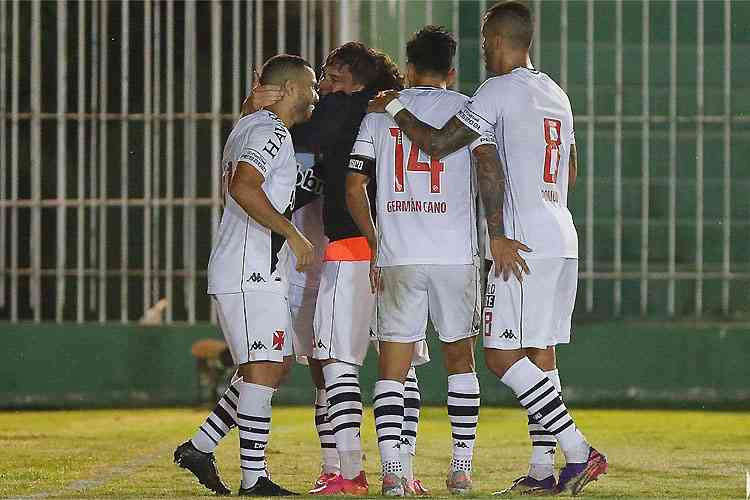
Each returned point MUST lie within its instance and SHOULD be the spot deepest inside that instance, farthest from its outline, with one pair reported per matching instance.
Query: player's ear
(450, 79)
(289, 87)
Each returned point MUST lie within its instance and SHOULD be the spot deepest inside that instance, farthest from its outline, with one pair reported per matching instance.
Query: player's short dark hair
(512, 19)
(281, 68)
(358, 58)
(388, 76)
(431, 50)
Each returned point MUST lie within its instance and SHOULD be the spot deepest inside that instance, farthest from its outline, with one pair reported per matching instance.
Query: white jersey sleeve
(364, 145)
(261, 146)
(480, 113)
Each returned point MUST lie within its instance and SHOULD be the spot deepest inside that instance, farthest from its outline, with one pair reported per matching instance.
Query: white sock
(345, 414)
(388, 406)
(543, 444)
(220, 421)
(412, 407)
(254, 422)
(537, 394)
(328, 455)
(463, 412)
(406, 459)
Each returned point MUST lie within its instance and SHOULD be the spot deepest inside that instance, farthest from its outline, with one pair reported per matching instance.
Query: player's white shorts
(448, 294)
(343, 312)
(302, 305)
(535, 313)
(255, 325)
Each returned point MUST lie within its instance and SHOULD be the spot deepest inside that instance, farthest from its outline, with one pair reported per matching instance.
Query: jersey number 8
(434, 167)
(552, 129)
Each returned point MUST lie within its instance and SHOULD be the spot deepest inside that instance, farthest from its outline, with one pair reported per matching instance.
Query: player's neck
(429, 81)
(515, 60)
(285, 114)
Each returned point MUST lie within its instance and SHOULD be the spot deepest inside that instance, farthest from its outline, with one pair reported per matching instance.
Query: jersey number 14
(435, 167)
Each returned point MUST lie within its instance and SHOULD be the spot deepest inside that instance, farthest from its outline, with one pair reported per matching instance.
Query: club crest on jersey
(278, 340)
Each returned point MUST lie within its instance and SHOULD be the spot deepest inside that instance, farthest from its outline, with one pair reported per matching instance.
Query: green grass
(128, 453)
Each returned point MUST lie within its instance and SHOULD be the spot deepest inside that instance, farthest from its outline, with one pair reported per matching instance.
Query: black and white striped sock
(254, 422)
(412, 406)
(328, 454)
(537, 394)
(220, 421)
(463, 412)
(345, 414)
(543, 443)
(388, 406)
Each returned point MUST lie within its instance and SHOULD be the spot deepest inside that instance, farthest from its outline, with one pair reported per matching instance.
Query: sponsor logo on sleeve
(356, 164)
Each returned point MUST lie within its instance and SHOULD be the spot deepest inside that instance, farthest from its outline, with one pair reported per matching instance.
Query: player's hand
(303, 251)
(507, 259)
(374, 269)
(261, 96)
(378, 104)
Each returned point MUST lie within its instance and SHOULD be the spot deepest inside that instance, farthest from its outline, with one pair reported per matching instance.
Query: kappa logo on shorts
(321, 345)
(257, 345)
(508, 334)
(278, 340)
(256, 278)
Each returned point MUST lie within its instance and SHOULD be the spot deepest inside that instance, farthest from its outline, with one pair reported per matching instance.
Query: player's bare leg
(260, 379)
(537, 394)
(388, 406)
(463, 411)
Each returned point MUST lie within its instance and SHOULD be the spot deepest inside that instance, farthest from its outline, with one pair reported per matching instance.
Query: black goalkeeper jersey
(331, 131)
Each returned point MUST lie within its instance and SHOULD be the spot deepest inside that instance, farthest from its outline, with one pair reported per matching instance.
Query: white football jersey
(246, 255)
(309, 220)
(533, 125)
(425, 207)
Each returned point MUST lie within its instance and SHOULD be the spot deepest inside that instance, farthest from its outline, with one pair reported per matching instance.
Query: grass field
(128, 453)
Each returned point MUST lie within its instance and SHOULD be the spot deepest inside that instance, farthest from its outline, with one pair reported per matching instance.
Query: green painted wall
(620, 364)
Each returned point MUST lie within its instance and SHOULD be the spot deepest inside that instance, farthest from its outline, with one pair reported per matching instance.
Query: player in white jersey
(524, 190)
(426, 262)
(247, 277)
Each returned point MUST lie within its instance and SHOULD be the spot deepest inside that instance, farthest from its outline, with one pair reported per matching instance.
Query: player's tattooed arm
(572, 167)
(491, 179)
(435, 142)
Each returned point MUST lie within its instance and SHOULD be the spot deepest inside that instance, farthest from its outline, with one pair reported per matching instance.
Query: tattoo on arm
(491, 178)
(436, 143)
